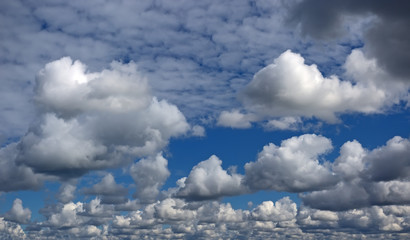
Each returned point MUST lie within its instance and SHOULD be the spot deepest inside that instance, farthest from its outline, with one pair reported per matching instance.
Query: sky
(208, 119)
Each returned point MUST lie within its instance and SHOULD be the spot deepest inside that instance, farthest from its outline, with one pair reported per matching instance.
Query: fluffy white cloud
(17, 213)
(95, 120)
(173, 210)
(149, 175)
(289, 87)
(67, 216)
(350, 162)
(207, 180)
(294, 166)
(283, 210)
(234, 119)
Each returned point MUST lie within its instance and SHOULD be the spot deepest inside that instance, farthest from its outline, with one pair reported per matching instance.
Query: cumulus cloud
(17, 213)
(149, 175)
(376, 177)
(234, 119)
(95, 120)
(293, 166)
(283, 210)
(207, 180)
(66, 193)
(109, 190)
(289, 87)
(67, 216)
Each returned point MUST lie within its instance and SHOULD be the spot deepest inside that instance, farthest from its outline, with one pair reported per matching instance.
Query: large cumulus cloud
(289, 89)
(91, 120)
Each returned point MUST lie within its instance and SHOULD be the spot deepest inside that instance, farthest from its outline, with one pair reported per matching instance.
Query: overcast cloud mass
(205, 119)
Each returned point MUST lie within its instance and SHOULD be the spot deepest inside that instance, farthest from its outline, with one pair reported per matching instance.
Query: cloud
(16, 177)
(66, 193)
(234, 119)
(67, 216)
(109, 190)
(284, 123)
(389, 162)
(289, 87)
(149, 175)
(207, 180)
(11, 230)
(198, 131)
(95, 120)
(292, 167)
(377, 177)
(283, 210)
(17, 213)
(322, 20)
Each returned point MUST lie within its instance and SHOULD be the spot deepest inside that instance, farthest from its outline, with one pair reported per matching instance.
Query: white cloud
(207, 180)
(289, 87)
(149, 175)
(173, 210)
(95, 120)
(350, 162)
(11, 230)
(17, 213)
(294, 166)
(198, 131)
(284, 123)
(67, 216)
(283, 210)
(234, 119)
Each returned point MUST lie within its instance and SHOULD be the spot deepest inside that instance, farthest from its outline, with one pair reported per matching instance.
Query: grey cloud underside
(386, 39)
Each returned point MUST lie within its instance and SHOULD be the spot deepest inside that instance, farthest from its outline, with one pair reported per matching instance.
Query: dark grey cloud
(386, 38)
(15, 177)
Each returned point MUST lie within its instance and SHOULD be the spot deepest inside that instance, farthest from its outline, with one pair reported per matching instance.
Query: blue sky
(204, 120)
